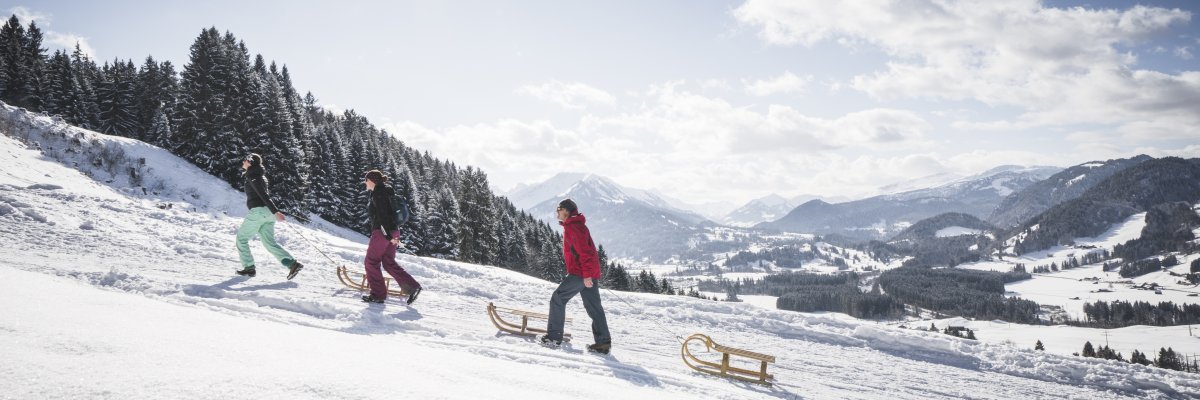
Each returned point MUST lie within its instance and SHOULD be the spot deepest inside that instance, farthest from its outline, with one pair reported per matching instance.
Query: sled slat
(522, 329)
(723, 368)
(345, 275)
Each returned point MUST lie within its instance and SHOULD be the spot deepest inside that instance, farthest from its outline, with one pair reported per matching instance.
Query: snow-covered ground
(1069, 289)
(111, 293)
(952, 231)
(1065, 340)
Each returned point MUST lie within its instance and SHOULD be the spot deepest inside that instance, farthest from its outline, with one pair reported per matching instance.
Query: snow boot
(413, 296)
(547, 341)
(369, 299)
(296, 267)
(248, 271)
(601, 348)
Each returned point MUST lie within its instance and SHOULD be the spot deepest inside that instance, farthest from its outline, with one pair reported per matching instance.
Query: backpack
(403, 213)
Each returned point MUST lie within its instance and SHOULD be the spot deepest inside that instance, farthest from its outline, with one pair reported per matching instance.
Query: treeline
(1120, 313)
(1167, 358)
(964, 293)
(1071, 262)
(224, 104)
(783, 257)
(1142, 267)
(806, 292)
(617, 277)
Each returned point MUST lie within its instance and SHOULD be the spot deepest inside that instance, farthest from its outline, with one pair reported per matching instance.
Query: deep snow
(111, 293)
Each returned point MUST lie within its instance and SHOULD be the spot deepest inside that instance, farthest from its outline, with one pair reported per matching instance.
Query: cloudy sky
(718, 100)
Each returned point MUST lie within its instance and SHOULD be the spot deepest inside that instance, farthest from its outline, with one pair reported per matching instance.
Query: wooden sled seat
(358, 281)
(723, 368)
(522, 329)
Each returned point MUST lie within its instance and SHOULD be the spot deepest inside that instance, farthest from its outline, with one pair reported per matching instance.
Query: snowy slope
(1071, 288)
(109, 294)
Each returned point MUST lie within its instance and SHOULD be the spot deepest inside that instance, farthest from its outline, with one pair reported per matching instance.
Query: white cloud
(333, 108)
(689, 145)
(1184, 52)
(711, 84)
(53, 39)
(785, 83)
(1058, 66)
(68, 41)
(570, 95)
(26, 15)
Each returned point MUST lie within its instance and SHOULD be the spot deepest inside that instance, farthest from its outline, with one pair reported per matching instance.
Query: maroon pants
(380, 251)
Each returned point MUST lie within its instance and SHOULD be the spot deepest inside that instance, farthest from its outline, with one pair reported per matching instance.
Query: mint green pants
(260, 221)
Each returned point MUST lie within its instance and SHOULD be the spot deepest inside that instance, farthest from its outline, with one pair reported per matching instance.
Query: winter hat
(376, 176)
(254, 159)
(569, 205)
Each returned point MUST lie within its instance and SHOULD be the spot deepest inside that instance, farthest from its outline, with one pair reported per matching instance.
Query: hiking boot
(248, 271)
(413, 296)
(295, 269)
(547, 341)
(369, 299)
(601, 348)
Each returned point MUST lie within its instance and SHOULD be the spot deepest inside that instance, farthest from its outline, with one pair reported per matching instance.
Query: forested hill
(225, 103)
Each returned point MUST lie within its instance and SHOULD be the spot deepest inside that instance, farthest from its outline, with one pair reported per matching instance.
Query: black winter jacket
(381, 211)
(255, 185)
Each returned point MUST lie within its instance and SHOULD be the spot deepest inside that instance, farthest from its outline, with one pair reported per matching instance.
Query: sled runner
(359, 282)
(522, 329)
(723, 368)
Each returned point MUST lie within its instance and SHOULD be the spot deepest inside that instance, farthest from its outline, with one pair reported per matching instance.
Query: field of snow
(952, 231)
(115, 293)
(1068, 289)
(1065, 340)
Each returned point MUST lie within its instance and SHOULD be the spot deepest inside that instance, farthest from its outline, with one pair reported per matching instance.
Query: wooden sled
(359, 282)
(523, 329)
(723, 368)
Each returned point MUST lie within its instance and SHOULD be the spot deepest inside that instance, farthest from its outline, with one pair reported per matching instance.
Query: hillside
(1128, 192)
(1066, 185)
(116, 292)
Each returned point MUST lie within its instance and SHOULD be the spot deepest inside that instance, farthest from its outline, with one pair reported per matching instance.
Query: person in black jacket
(385, 238)
(260, 220)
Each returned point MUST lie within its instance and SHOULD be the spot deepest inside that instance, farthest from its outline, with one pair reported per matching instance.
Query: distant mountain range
(1063, 186)
(882, 216)
(769, 208)
(629, 222)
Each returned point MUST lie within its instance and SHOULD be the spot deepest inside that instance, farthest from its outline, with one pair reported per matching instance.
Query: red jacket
(578, 250)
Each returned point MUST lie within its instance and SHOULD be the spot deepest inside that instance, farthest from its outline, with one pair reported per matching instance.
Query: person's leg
(558, 305)
(266, 234)
(375, 250)
(591, 302)
(246, 232)
(402, 277)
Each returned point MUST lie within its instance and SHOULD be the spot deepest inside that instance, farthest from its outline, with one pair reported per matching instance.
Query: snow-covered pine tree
(203, 109)
(115, 93)
(477, 239)
(19, 82)
(58, 92)
(156, 88)
(86, 74)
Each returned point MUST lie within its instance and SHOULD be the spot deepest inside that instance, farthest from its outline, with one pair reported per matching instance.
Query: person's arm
(588, 259)
(260, 189)
(386, 215)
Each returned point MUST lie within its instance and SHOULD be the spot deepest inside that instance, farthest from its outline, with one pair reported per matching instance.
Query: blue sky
(714, 101)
